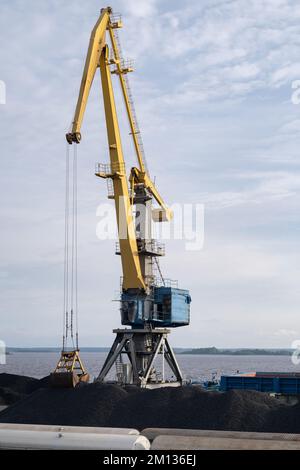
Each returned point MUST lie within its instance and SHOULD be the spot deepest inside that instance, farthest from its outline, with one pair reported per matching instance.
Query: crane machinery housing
(149, 304)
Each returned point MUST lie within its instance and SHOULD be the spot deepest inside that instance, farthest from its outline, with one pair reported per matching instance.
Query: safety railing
(158, 282)
(109, 169)
(115, 18)
(150, 247)
(126, 65)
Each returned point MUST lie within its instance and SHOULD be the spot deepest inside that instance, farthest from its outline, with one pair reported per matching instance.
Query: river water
(196, 367)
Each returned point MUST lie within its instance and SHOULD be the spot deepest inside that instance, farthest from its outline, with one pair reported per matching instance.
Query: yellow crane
(148, 306)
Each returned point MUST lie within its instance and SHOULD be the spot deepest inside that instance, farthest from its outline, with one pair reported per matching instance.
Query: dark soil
(16, 387)
(110, 405)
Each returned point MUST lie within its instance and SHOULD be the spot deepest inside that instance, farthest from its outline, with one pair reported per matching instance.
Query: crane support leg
(141, 347)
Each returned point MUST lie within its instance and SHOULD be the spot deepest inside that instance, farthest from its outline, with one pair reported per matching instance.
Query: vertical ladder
(124, 79)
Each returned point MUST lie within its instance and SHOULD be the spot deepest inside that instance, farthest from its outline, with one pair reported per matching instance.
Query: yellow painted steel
(120, 72)
(137, 177)
(97, 42)
(69, 370)
(98, 56)
(70, 361)
(141, 173)
(132, 274)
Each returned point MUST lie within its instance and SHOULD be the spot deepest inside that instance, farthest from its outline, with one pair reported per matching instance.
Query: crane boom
(96, 45)
(98, 57)
(132, 274)
(121, 71)
(141, 174)
(97, 42)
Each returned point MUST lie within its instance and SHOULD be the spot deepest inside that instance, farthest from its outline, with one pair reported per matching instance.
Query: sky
(213, 92)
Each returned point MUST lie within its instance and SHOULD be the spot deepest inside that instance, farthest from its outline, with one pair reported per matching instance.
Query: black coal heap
(111, 405)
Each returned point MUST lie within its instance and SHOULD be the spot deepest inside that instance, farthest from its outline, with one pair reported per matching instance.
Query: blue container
(171, 307)
(286, 385)
(167, 307)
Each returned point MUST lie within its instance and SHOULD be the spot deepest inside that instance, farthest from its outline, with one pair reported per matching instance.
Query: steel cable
(66, 251)
(70, 303)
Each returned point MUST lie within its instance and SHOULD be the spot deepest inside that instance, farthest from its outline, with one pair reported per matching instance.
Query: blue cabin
(167, 307)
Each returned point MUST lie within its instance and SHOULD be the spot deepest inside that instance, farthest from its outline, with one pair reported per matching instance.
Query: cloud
(212, 92)
(247, 53)
(284, 75)
(291, 127)
(259, 188)
(141, 9)
(284, 332)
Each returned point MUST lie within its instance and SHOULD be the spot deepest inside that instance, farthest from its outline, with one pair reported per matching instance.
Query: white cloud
(212, 92)
(291, 127)
(141, 9)
(284, 332)
(284, 75)
(217, 44)
(242, 71)
(265, 186)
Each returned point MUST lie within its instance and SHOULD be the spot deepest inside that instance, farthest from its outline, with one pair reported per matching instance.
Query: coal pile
(7, 396)
(86, 405)
(194, 408)
(19, 383)
(286, 419)
(16, 387)
(183, 407)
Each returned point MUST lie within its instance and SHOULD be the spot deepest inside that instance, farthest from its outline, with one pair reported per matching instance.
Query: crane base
(141, 347)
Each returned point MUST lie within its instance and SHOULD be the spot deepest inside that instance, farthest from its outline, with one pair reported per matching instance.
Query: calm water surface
(193, 366)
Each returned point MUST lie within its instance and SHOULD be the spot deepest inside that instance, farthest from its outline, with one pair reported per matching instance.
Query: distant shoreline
(183, 351)
(239, 352)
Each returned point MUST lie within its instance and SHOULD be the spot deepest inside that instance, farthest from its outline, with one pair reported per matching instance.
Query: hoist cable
(76, 249)
(72, 246)
(66, 250)
(70, 304)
